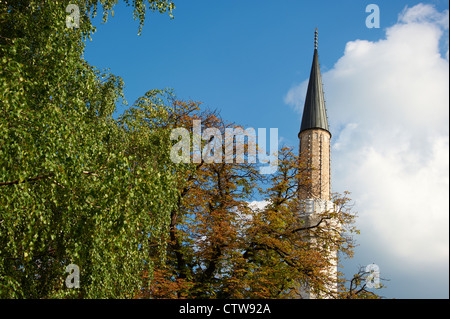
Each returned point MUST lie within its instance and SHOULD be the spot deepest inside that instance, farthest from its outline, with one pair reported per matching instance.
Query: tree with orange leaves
(220, 246)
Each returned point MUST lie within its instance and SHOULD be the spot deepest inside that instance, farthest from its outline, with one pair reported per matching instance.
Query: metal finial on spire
(315, 39)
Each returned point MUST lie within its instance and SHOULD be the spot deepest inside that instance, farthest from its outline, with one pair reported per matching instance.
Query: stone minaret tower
(314, 150)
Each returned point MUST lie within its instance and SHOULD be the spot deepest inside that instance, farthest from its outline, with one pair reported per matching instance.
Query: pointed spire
(314, 111)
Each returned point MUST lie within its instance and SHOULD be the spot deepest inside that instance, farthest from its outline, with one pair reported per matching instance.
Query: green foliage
(76, 186)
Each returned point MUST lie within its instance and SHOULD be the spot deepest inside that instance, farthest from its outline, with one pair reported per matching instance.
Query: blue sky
(251, 60)
(238, 56)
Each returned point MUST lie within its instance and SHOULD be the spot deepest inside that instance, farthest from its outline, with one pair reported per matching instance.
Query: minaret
(314, 151)
(315, 137)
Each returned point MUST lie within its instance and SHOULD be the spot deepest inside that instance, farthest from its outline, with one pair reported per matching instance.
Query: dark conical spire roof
(314, 111)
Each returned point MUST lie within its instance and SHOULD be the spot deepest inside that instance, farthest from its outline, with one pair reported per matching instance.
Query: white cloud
(258, 205)
(296, 96)
(388, 106)
(423, 13)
